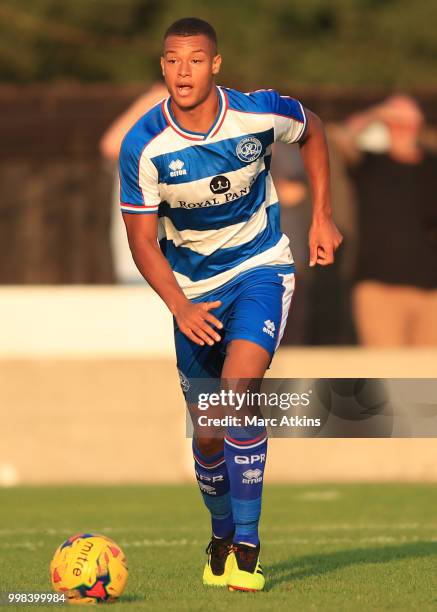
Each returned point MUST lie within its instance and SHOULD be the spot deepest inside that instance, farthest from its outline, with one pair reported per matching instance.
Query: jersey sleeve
(139, 192)
(289, 119)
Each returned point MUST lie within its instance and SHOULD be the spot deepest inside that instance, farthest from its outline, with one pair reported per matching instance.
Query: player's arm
(194, 320)
(324, 237)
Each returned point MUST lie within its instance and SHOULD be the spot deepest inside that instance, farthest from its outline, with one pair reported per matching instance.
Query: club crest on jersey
(220, 184)
(177, 168)
(249, 149)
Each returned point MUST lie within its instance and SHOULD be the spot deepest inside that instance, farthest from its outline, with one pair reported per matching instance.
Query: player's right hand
(195, 320)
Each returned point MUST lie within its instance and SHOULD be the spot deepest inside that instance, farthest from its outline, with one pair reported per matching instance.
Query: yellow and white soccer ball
(89, 568)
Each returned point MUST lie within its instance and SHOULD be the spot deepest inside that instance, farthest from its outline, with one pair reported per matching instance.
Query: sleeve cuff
(138, 209)
(304, 126)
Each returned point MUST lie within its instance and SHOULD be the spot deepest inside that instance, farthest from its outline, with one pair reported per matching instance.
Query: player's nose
(184, 69)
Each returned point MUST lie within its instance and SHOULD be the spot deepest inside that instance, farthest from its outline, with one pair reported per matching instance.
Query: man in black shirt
(395, 296)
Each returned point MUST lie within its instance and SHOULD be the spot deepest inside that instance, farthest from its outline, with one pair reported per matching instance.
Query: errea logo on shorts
(269, 328)
(177, 168)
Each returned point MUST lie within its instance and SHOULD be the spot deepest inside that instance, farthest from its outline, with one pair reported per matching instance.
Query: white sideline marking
(33, 531)
(320, 541)
(28, 545)
(25, 545)
(160, 542)
(318, 495)
(353, 527)
(68, 531)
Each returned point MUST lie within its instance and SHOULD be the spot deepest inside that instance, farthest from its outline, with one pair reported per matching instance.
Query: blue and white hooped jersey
(217, 205)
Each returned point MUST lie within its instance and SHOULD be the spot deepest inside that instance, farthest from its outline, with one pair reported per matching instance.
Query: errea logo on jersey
(177, 168)
(269, 328)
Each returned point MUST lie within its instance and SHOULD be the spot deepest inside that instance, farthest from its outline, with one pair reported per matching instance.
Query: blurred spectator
(320, 314)
(395, 296)
(111, 140)
(125, 269)
(290, 182)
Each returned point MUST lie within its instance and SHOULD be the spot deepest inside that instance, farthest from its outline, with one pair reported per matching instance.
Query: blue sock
(213, 480)
(245, 460)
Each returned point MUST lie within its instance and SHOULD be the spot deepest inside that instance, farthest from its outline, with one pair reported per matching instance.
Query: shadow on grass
(318, 565)
(130, 598)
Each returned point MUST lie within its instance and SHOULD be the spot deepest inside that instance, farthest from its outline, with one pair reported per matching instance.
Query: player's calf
(245, 459)
(212, 477)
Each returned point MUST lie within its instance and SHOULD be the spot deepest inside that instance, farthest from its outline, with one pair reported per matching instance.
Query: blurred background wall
(81, 364)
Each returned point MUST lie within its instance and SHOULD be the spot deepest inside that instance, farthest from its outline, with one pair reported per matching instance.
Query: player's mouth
(184, 90)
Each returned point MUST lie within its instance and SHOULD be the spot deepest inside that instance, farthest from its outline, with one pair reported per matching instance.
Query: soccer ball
(89, 568)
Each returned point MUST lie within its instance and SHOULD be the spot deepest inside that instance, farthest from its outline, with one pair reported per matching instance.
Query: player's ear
(216, 63)
(162, 66)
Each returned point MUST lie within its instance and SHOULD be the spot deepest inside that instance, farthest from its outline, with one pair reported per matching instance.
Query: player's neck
(199, 118)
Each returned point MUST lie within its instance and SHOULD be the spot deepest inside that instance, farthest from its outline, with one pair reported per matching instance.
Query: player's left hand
(324, 240)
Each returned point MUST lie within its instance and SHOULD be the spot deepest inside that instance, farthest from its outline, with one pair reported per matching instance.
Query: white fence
(89, 393)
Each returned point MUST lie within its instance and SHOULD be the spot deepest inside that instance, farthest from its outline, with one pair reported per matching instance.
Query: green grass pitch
(324, 547)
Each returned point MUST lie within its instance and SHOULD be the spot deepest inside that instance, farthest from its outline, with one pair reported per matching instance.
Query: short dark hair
(192, 26)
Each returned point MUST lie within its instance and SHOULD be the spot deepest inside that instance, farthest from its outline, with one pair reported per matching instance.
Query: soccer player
(203, 225)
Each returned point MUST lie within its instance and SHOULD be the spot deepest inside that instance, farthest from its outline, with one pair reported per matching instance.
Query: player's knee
(209, 445)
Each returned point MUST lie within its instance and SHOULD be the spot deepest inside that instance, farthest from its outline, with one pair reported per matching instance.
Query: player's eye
(197, 61)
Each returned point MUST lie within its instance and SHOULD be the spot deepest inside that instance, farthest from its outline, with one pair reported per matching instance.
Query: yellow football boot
(219, 564)
(246, 573)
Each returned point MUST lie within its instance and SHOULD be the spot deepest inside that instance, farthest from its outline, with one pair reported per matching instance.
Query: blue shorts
(254, 307)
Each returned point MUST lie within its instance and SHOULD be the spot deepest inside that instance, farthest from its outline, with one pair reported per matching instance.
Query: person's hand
(195, 320)
(324, 240)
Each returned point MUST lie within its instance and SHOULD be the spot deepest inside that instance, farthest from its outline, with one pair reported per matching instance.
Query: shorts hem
(252, 338)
